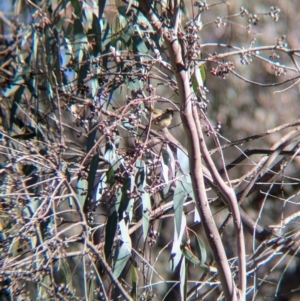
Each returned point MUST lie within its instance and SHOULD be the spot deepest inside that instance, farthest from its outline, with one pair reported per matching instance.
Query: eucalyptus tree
(115, 182)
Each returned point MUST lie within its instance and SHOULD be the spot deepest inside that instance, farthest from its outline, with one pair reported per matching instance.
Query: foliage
(87, 184)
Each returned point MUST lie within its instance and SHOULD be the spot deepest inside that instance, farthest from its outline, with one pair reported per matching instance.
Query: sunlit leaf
(14, 87)
(81, 189)
(124, 252)
(146, 212)
(183, 161)
(183, 279)
(171, 160)
(179, 198)
(89, 8)
(176, 253)
(122, 257)
(165, 170)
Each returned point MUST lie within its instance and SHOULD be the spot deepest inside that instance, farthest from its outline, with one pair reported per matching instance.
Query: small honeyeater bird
(161, 118)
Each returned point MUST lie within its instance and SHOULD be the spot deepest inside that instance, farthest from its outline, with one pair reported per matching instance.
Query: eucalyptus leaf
(110, 232)
(122, 257)
(171, 160)
(201, 251)
(81, 189)
(127, 188)
(193, 259)
(124, 252)
(15, 87)
(165, 170)
(183, 161)
(176, 252)
(183, 279)
(146, 213)
(179, 198)
(134, 280)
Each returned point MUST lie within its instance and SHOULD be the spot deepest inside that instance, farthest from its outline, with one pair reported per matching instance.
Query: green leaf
(129, 209)
(31, 87)
(183, 161)
(91, 137)
(146, 213)
(118, 199)
(16, 86)
(110, 176)
(124, 252)
(134, 279)
(122, 257)
(183, 279)
(165, 170)
(110, 156)
(81, 189)
(193, 259)
(110, 232)
(129, 6)
(128, 184)
(80, 42)
(203, 73)
(101, 4)
(171, 160)
(92, 174)
(87, 14)
(146, 202)
(179, 198)
(140, 174)
(165, 156)
(101, 187)
(201, 251)
(176, 253)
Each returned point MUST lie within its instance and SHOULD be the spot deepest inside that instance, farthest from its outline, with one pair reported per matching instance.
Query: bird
(161, 118)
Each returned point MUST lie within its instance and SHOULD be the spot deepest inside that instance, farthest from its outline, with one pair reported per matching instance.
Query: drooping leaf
(81, 189)
(134, 279)
(101, 4)
(102, 185)
(146, 202)
(193, 259)
(122, 257)
(146, 213)
(92, 174)
(124, 252)
(89, 8)
(176, 253)
(16, 86)
(129, 209)
(110, 156)
(201, 251)
(91, 137)
(110, 231)
(183, 279)
(171, 161)
(165, 170)
(140, 174)
(183, 161)
(179, 198)
(127, 188)
(186, 183)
